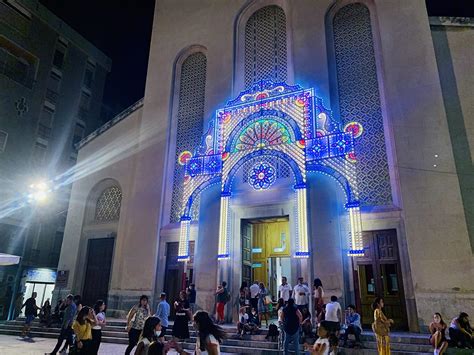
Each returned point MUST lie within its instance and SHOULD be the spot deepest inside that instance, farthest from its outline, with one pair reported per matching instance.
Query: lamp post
(38, 194)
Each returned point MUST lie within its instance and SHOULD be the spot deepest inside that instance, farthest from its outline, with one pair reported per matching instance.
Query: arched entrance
(271, 125)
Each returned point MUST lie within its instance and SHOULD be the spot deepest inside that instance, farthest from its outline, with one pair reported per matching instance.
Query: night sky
(122, 30)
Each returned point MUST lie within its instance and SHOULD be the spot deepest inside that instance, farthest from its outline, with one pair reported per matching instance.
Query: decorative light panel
(271, 122)
(262, 176)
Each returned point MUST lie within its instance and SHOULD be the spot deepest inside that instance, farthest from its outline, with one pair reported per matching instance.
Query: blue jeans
(295, 338)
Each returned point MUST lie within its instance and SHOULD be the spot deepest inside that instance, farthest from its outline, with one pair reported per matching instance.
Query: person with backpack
(292, 319)
(223, 296)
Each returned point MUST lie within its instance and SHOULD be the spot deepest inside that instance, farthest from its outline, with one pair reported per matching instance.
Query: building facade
(52, 81)
(314, 139)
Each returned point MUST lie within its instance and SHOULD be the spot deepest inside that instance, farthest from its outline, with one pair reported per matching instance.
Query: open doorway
(266, 247)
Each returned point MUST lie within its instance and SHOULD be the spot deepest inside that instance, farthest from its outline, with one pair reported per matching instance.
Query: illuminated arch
(340, 179)
(299, 178)
(290, 124)
(197, 191)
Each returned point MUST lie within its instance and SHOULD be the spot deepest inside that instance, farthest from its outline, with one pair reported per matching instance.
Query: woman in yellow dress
(381, 327)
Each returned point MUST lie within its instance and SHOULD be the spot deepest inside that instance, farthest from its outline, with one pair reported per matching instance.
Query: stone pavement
(13, 345)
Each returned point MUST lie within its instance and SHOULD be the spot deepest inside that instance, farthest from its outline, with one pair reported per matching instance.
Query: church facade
(321, 139)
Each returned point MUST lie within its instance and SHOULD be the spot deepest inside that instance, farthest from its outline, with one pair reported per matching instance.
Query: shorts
(332, 327)
(29, 319)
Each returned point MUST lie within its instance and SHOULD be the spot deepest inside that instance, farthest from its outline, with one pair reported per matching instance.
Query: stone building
(51, 84)
(324, 139)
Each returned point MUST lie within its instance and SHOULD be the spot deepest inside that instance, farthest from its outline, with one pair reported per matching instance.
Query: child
(321, 346)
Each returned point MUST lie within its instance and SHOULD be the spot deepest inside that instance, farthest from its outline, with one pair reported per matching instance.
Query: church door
(99, 263)
(379, 274)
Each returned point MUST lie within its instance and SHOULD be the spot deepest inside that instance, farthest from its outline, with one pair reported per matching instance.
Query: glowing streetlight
(39, 192)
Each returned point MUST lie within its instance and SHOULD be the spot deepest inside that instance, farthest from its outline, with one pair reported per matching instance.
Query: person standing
(191, 291)
(136, 321)
(333, 316)
(284, 291)
(163, 313)
(301, 294)
(262, 303)
(68, 318)
(222, 295)
(45, 314)
(353, 325)
(78, 302)
(381, 327)
(18, 305)
(180, 326)
(99, 309)
(82, 328)
(318, 294)
(292, 318)
(31, 310)
(254, 288)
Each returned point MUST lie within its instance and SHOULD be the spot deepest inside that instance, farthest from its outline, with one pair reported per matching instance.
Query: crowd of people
(328, 325)
(146, 331)
(327, 328)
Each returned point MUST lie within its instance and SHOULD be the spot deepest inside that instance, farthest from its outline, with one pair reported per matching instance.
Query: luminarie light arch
(275, 121)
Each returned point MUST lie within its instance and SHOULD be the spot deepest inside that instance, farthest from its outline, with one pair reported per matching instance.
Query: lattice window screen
(265, 46)
(108, 205)
(190, 124)
(359, 100)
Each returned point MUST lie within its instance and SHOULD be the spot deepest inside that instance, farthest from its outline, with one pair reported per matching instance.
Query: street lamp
(39, 193)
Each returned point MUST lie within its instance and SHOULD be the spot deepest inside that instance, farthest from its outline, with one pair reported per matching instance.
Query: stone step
(119, 331)
(229, 345)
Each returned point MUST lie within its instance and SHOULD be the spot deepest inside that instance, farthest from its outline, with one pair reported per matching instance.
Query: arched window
(265, 46)
(190, 117)
(359, 100)
(108, 204)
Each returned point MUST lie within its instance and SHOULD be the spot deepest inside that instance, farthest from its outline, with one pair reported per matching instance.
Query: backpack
(226, 295)
(272, 330)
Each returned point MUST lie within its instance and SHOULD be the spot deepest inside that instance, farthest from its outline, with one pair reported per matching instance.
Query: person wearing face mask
(150, 333)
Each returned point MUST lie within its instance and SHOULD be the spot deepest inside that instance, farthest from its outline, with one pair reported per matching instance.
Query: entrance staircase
(401, 343)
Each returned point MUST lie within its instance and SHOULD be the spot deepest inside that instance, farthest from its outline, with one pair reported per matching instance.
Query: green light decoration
(261, 134)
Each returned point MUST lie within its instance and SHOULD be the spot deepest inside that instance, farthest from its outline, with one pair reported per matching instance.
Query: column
(223, 251)
(356, 242)
(302, 245)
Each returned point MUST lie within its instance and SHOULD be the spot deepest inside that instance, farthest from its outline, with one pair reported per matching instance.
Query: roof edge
(109, 124)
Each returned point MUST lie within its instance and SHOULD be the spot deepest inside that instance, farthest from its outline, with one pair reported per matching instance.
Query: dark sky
(122, 30)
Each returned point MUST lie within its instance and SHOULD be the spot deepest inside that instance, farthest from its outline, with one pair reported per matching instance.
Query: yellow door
(269, 239)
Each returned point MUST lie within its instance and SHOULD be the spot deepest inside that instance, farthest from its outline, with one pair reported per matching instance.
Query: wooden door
(246, 252)
(379, 274)
(99, 264)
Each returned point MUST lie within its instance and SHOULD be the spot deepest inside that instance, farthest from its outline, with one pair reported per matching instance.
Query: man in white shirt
(254, 289)
(284, 290)
(301, 294)
(333, 315)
